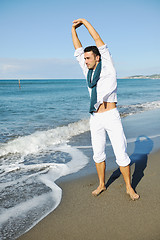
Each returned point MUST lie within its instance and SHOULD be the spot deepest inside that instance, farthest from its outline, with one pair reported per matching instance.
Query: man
(99, 71)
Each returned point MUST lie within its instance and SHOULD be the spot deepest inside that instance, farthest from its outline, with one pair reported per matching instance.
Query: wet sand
(110, 216)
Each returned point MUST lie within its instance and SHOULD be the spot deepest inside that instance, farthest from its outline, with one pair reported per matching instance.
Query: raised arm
(76, 42)
(90, 29)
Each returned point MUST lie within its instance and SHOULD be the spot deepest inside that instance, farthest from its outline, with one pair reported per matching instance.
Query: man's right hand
(76, 42)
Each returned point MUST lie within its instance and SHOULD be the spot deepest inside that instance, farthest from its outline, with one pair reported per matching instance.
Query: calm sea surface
(36, 124)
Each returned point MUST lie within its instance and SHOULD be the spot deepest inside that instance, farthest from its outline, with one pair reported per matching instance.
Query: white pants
(110, 122)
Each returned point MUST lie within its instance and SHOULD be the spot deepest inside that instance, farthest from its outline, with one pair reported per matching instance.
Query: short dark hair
(94, 49)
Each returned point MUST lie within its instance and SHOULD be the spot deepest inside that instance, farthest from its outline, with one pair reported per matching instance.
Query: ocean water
(37, 122)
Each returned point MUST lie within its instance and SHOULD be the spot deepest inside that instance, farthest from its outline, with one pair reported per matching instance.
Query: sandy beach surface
(111, 215)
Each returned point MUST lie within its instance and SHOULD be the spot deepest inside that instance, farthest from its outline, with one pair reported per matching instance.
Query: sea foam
(27, 166)
(27, 213)
(43, 140)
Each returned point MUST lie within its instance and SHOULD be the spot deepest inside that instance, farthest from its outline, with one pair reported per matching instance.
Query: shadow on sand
(143, 146)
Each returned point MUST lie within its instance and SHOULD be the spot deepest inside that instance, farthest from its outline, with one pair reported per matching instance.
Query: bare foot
(132, 194)
(98, 191)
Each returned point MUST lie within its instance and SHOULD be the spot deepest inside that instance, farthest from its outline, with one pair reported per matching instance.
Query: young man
(99, 71)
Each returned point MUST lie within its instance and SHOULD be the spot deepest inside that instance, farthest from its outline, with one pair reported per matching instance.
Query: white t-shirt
(107, 84)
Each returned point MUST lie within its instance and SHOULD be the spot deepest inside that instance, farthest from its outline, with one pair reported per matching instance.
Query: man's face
(91, 60)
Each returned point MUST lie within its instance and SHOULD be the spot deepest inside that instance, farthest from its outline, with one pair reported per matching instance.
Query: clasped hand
(77, 23)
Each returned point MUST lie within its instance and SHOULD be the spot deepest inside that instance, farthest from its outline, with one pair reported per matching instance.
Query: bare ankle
(102, 185)
(129, 188)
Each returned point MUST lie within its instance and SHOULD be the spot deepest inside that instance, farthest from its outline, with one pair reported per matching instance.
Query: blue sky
(36, 36)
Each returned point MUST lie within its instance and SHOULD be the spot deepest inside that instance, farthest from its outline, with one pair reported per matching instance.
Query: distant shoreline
(153, 76)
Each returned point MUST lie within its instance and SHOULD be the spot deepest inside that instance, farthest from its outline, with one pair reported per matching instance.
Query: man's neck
(95, 66)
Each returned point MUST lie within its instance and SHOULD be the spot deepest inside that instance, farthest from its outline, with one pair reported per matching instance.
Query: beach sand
(111, 215)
